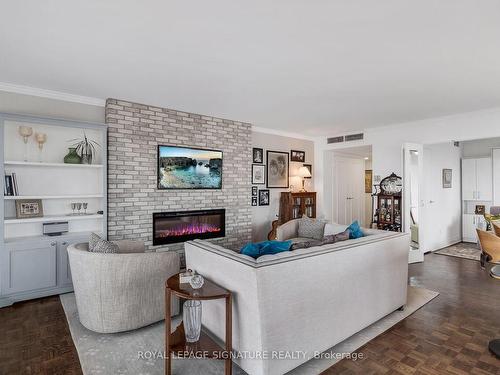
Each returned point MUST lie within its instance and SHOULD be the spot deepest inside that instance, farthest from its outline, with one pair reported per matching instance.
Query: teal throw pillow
(355, 230)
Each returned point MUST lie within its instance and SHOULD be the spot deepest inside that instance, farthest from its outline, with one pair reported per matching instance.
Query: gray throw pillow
(311, 228)
(98, 245)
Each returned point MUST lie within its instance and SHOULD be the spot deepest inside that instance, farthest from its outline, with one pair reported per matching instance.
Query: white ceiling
(310, 67)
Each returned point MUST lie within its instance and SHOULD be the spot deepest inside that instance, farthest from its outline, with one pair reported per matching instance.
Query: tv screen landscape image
(189, 168)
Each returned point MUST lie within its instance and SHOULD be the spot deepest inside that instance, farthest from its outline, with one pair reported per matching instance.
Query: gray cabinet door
(30, 266)
(63, 270)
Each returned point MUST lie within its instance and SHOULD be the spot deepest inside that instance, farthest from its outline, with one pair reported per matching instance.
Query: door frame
(414, 255)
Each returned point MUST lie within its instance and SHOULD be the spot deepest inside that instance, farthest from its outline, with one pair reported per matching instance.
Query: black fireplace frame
(188, 237)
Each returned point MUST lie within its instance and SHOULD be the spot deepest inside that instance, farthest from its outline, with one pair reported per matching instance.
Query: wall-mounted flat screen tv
(189, 168)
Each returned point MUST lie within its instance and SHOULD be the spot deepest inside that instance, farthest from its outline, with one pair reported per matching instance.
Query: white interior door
(348, 190)
(413, 191)
(484, 179)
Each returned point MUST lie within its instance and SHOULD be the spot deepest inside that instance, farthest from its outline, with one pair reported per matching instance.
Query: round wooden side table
(205, 347)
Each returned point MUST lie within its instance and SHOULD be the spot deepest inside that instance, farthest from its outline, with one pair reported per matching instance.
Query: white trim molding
(51, 94)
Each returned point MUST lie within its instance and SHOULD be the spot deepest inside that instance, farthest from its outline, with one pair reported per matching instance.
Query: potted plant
(85, 148)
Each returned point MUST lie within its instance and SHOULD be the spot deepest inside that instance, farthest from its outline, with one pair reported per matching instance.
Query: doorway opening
(351, 192)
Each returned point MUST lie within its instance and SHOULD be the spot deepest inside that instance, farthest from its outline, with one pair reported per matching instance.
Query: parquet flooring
(449, 335)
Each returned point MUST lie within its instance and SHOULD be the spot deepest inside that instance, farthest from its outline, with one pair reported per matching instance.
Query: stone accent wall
(135, 131)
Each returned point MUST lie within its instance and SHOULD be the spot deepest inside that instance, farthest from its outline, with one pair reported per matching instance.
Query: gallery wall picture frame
(368, 180)
(278, 168)
(447, 178)
(254, 191)
(310, 167)
(299, 156)
(258, 174)
(254, 201)
(264, 197)
(258, 155)
(28, 208)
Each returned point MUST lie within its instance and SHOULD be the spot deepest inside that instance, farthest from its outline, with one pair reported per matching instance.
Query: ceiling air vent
(354, 137)
(335, 139)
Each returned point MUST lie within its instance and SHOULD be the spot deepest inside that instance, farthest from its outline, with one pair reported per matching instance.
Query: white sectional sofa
(304, 300)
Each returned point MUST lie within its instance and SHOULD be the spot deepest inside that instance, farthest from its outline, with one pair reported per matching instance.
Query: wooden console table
(175, 343)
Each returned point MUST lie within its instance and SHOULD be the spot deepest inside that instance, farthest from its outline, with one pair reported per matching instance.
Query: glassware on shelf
(79, 207)
(85, 205)
(191, 316)
(25, 132)
(73, 207)
(41, 138)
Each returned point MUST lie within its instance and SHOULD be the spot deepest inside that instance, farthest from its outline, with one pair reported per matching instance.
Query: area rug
(136, 352)
(461, 250)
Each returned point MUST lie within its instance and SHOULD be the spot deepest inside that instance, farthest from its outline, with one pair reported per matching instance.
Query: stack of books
(10, 186)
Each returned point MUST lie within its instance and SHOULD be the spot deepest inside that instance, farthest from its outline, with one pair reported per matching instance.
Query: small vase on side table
(176, 343)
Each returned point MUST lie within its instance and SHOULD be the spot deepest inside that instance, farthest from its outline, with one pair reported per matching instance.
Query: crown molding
(282, 133)
(51, 94)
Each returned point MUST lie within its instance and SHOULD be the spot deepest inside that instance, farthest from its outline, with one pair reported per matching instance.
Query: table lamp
(303, 173)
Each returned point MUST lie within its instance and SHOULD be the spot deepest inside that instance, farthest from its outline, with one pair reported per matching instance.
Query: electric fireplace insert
(180, 226)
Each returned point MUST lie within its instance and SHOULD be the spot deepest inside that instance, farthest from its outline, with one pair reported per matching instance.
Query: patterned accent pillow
(343, 236)
(306, 244)
(98, 245)
(311, 228)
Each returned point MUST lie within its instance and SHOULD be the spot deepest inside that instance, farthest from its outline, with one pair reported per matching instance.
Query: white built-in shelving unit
(32, 264)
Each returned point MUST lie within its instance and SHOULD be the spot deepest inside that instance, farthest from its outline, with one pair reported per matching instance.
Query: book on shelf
(10, 186)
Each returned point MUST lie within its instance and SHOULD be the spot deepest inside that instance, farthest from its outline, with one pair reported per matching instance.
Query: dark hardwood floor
(449, 335)
(35, 339)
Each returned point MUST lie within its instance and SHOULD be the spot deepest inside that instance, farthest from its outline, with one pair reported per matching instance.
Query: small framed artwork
(310, 167)
(277, 169)
(26, 208)
(368, 180)
(264, 197)
(480, 209)
(254, 201)
(254, 191)
(258, 155)
(447, 177)
(299, 156)
(258, 173)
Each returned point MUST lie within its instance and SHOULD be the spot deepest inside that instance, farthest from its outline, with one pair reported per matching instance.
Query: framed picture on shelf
(310, 167)
(258, 155)
(299, 156)
(277, 169)
(258, 173)
(447, 177)
(254, 191)
(480, 209)
(27, 208)
(264, 197)
(254, 201)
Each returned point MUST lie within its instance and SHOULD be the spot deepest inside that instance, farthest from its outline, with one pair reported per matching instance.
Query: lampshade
(304, 172)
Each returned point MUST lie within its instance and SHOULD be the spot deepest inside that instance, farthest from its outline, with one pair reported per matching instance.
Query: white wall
(368, 199)
(444, 216)
(387, 141)
(45, 107)
(262, 216)
(479, 148)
